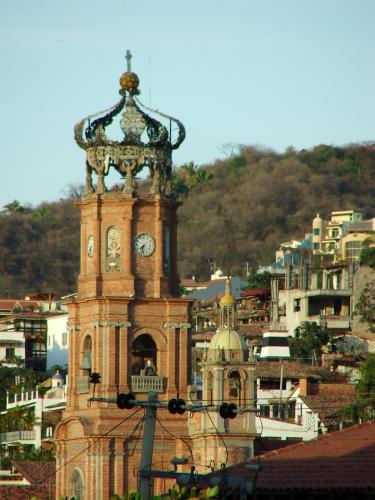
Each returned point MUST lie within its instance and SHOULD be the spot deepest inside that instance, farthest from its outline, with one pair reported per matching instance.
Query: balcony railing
(8, 437)
(146, 383)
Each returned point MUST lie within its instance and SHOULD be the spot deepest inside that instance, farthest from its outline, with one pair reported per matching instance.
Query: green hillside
(234, 211)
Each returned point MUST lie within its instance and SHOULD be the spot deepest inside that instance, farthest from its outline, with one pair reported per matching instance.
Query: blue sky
(269, 72)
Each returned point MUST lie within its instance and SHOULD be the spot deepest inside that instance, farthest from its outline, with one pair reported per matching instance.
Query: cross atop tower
(128, 58)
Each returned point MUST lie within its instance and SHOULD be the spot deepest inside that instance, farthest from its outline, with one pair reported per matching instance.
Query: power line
(220, 436)
(176, 437)
(90, 445)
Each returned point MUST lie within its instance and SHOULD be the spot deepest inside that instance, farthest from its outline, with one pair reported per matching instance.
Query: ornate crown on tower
(147, 141)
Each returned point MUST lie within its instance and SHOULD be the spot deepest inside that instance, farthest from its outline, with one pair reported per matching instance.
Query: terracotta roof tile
(10, 304)
(296, 370)
(328, 406)
(36, 472)
(41, 476)
(251, 293)
(337, 461)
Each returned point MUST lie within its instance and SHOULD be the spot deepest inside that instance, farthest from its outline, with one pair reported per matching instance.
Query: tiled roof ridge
(328, 435)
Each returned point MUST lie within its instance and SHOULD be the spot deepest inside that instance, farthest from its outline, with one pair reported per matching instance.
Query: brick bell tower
(128, 322)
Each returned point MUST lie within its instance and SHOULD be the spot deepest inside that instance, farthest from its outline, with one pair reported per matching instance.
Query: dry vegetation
(236, 210)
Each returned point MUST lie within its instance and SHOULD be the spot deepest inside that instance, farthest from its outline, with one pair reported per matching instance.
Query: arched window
(87, 354)
(234, 380)
(144, 353)
(77, 484)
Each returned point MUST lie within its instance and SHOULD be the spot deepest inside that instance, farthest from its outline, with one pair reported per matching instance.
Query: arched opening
(87, 354)
(234, 389)
(77, 484)
(144, 354)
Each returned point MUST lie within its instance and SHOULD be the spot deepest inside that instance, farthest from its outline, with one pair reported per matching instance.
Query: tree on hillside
(188, 171)
(365, 307)
(309, 340)
(14, 207)
(258, 281)
(202, 176)
(364, 407)
(367, 257)
(366, 384)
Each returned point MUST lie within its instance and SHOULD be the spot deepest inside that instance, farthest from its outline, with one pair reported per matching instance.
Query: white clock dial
(90, 245)
(144, 244)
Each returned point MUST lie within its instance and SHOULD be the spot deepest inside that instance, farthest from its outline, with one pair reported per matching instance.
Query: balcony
(329, 292)
(19, 437)
(332, 321)
(147, 383)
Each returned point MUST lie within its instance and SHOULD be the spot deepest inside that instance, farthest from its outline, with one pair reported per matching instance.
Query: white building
(53, 401)
(293, 402)
(57, 340)
(12, 346)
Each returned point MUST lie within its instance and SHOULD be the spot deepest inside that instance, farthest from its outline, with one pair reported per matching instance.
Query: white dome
(228, 339)
(317, 220)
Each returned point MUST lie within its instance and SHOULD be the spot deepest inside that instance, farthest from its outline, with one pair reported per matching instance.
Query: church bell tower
(128, 322)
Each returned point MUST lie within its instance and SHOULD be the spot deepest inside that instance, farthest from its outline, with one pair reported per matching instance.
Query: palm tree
(14, 207)
(15, 418)
(41, 213)
(29, 419)
(188, 171)
(202, 176)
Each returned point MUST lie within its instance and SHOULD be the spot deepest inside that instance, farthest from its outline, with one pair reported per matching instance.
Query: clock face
(144, 244)
(90, 245)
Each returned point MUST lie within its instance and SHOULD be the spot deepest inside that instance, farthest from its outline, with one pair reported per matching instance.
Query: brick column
(159, 249)
(127, 247)
(171, 362)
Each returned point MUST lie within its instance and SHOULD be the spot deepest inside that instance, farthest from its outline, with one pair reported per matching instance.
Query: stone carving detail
(113, 249)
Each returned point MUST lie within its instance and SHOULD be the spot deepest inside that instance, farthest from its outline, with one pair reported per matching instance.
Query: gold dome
(227, 300)
(129, 81)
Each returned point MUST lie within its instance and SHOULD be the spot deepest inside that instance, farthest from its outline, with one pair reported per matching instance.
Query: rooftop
(41, 479)
(336, 461)
(294, 370)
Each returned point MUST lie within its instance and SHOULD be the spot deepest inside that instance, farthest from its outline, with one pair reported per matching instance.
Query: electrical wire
(140, 424)
(89, 446)
(176, 437)
(220, 436)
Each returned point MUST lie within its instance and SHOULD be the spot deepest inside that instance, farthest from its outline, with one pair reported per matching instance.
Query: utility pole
(148, 447)
(281, 387)
(151, 405)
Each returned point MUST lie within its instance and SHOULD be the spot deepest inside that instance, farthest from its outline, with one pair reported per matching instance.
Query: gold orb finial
(129, 81)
